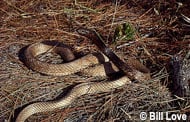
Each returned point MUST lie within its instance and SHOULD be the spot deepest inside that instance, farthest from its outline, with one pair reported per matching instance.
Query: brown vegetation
(160, 33)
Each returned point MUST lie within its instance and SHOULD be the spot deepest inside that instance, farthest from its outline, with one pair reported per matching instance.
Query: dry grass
(23, 23)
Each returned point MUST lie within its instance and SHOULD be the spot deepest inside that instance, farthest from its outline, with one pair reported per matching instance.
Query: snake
(94, 64)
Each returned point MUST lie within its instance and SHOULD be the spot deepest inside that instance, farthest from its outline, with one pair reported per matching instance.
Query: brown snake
(71, 66)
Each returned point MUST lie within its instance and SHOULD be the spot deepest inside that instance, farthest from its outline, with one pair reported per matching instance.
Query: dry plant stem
(24, 22)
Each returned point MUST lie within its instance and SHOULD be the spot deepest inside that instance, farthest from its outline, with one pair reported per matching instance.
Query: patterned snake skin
(71, 66)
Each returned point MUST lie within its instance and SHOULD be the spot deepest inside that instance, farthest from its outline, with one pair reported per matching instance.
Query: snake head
(85, 32)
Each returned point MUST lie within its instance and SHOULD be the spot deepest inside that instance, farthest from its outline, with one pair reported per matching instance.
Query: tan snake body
(72, 66)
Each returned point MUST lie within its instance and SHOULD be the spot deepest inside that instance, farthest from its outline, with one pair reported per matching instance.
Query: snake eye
(82, 31)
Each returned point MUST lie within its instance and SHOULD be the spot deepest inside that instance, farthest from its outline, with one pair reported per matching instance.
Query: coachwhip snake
(71, 66)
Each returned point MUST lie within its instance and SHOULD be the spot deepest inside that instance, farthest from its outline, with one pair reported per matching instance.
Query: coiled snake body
(72, 66)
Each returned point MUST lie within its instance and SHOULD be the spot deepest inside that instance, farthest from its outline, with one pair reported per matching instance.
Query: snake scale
(71, 66)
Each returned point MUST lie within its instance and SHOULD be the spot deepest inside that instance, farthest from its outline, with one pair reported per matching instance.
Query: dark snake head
(85, 32)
